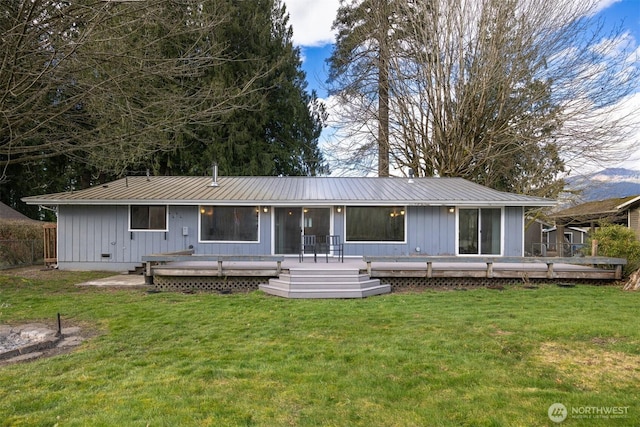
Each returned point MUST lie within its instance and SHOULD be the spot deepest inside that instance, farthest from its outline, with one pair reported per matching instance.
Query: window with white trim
(375, 224)
(229, 223)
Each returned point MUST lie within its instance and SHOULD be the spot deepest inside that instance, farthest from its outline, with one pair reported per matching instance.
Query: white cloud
(311, 21)
(604, 4)
(631, 106)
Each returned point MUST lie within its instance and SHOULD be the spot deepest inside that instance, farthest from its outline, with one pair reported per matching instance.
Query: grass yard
(435, 358)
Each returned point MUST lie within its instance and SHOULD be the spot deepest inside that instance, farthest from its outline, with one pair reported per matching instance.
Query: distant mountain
(607, 184)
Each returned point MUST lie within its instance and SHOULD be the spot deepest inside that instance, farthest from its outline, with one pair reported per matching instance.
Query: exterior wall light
(451, 209)
(338, 209)
(265, 209)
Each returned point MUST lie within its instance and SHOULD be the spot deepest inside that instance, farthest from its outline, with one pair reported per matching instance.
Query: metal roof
(10, 214)
(613, 210)
(597, 207)
(309, 191)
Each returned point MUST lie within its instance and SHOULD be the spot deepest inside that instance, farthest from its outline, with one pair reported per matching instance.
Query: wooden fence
(50, 244)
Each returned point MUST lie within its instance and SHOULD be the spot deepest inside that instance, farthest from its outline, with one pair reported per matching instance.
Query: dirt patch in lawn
(590, 366)
(40, 272)
(31, 341)
(31, 272)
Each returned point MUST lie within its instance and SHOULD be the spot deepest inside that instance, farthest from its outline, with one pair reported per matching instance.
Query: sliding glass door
(291, 223)
(480, 231)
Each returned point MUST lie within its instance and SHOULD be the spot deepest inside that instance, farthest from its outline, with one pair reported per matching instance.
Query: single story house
(112, 226)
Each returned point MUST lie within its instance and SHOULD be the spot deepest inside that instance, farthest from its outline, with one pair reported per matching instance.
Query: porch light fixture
(338, 209)
(265, 209)
(451, 209)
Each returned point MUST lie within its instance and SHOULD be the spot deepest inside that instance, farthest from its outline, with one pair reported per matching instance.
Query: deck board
(389, 269)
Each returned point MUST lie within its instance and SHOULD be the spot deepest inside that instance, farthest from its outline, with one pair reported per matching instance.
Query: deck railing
(616, 263)
(188, 256)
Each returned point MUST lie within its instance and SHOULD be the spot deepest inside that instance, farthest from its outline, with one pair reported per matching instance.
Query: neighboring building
(111, 226)
(533, 236)
(623, 210)
(540, 239)
(574, 239)
(620, 210)
(7, 213)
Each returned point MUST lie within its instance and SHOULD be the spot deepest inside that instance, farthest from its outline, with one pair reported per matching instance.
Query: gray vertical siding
(513, 231)
(432, 229)
(429, 228)
(87, 232)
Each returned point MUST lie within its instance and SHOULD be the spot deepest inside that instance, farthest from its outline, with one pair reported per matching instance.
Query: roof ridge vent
(214, 181)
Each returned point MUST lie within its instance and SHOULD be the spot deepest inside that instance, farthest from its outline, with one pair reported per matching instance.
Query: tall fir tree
(278, 133)
(369, 35)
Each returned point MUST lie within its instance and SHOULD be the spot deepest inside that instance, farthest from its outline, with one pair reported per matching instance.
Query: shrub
(618, 241)
(21, 242)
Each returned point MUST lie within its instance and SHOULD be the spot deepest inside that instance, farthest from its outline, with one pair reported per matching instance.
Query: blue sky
(311, 21)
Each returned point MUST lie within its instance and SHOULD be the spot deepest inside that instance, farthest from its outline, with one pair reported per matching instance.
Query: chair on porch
(333, 243)
(308, 243)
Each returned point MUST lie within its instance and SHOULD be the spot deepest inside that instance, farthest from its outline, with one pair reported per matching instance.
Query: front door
(291, 223)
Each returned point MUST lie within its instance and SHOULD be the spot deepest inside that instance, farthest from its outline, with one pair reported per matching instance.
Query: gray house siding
(429, 228)
(432, 230)
(513, 231)
(91, 237)
(98, 237)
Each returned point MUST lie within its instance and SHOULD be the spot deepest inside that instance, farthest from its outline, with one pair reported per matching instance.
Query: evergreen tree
(359, 67)
(91, 91)
(278, 133)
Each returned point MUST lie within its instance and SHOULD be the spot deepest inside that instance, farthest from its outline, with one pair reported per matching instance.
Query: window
(148, 218)
(229, 223)
(375, 224)
(479, 231)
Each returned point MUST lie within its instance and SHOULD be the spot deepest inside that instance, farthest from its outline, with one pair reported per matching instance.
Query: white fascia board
(55, 202)
(630, 202)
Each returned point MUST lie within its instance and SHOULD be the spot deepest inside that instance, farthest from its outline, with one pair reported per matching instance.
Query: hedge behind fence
(21, 243)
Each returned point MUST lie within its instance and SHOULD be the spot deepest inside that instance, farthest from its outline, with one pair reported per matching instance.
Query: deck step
(324, 283)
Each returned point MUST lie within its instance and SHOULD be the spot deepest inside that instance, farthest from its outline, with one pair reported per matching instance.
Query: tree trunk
(383, 96)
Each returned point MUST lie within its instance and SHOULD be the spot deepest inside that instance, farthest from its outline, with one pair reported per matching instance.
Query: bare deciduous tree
(109, 82)
(507, 93)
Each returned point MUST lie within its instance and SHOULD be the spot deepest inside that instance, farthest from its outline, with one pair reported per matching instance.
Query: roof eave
(462, 203)
(628, 203)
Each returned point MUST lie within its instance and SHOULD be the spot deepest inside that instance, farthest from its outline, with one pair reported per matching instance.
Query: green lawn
(478, 358)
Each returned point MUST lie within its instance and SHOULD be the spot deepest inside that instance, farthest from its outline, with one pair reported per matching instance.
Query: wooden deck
(526, 268)
(593, 268)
